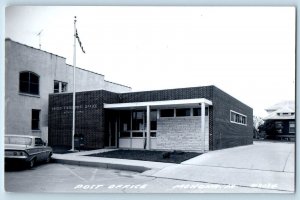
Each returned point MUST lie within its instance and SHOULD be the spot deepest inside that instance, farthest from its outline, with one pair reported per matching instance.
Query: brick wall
(93, 123)
(90, 117)
(225, 133)
(181, 133)
(170, 94)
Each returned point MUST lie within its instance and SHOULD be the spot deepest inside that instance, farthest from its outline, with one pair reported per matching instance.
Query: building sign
(80, 108)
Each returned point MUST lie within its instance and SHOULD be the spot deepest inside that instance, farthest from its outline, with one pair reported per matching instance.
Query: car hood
(16, 147)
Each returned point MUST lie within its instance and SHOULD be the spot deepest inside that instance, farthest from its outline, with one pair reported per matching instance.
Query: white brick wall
(181, 133)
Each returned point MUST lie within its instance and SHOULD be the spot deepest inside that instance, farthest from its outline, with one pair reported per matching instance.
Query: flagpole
(74, 86)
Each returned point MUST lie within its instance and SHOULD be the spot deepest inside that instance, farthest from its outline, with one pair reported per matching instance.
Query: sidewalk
(264, 165)
(80, 158)
(261, 165)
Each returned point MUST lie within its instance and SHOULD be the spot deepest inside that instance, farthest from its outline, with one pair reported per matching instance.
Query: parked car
(26, 149)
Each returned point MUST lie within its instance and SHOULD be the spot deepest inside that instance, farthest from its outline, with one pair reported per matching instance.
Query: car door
(40, 149)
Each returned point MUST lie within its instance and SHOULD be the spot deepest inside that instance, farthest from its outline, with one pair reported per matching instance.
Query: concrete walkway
(80, 158)
(262, 165)
(267, 165)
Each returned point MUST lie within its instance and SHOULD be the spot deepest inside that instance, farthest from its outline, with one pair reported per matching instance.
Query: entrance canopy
(159, 104)
(181, 103)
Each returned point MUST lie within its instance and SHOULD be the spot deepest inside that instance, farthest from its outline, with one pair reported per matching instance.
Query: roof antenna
(40, 35)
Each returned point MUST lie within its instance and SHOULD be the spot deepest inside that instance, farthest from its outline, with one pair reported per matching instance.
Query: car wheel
(31, 163)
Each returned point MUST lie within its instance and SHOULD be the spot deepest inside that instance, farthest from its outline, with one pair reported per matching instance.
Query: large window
(29, 83)
(153, 120)
(125, 123)
(167, 113)
(138, 120)
(35, 119)
(133, 123)
(238, 118)
(183, 112)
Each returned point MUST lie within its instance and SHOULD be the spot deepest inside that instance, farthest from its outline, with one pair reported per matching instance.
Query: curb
(133, 168)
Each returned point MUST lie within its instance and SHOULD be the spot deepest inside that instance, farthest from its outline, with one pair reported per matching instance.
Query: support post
(116, 134)
(148, 128)
(109, 132)
(203, 125)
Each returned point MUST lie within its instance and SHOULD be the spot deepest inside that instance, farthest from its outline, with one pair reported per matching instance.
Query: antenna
(40, 35)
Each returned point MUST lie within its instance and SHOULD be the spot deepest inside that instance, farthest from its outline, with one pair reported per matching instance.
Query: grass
(147, 155)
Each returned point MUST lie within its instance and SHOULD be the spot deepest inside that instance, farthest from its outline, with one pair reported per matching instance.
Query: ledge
(29, 95)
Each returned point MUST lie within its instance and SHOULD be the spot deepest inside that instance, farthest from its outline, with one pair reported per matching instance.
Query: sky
(248, 52)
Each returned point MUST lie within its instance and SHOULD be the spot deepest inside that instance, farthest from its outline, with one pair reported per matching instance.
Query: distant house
(280, 122)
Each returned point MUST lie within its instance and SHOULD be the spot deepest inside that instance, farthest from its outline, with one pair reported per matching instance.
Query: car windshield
(18, 140)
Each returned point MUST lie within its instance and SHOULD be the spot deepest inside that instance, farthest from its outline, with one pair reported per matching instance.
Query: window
(138, 120)
(292, 127)
(153, 120)
(152, 134)
(167, 113)
(35, 120)
(56, 87)
(197, 111)
(124, 134)
(39, 142)
(29, 83)
(238, 118)
(125, 123)
(60, 86)
(64, 87)
(137, 134)
(183, 112)
(18, 140)
(278, 125)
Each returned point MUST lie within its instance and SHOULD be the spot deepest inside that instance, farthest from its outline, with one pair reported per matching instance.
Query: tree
(257, 122)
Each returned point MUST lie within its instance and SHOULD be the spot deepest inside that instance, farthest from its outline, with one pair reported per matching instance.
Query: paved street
(71, 178)
(259, 168)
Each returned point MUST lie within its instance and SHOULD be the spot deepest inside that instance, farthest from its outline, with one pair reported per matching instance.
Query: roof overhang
(279, 118)
(159, 104)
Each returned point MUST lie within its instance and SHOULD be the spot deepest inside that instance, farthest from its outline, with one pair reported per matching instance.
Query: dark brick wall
(225, 133)
(92, 122)
(170, 94)
(89, 117)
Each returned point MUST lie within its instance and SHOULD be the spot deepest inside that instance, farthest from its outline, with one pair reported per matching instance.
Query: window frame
(178, 112)
(239, 116)
(54, 89)
(29, 83)
(62, 86)
(199, 108)
(163, 110)
(37, 144)
(294, 123)
(38, 120)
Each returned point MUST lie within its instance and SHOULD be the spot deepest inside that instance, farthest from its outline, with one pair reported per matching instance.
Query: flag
(79, 42)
